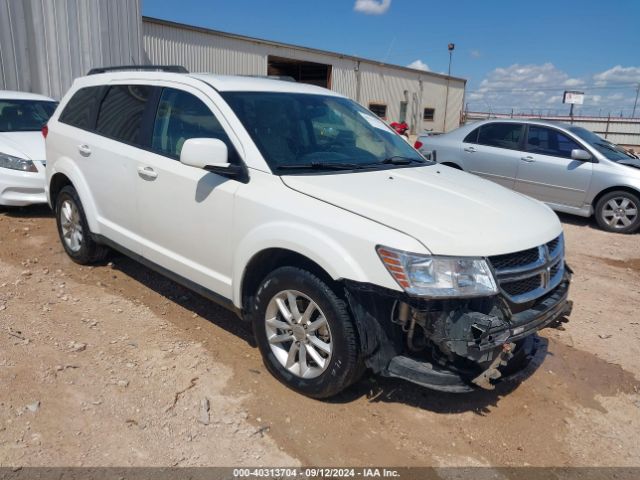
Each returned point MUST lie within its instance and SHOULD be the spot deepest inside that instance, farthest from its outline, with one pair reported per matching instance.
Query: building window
(429, 114)
(379, 109)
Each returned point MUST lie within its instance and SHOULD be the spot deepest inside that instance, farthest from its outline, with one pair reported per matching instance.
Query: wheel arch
(623, 188)
(67, 173)
(269, 259)
(57, 183)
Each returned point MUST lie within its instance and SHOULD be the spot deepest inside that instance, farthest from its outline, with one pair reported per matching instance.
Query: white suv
(308, 216)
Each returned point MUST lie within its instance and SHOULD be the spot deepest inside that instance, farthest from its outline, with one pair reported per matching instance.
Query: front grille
(514, 260)
(553, 244)
(529, 274)
(520, 287)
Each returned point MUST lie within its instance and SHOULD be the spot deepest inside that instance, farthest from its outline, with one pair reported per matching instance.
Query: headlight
(439, 277)
(15, 163)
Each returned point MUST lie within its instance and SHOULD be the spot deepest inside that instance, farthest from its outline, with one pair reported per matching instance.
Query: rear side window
(120, 115)
(182, 116)
(547, 141)
(472, 137)
(81, 109)
(501, 135)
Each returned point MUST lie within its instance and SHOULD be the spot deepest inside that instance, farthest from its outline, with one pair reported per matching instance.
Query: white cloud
(419, 65)
(573, 82)
(538, 88)
(617, 74)
(475, 53)
(372, 7)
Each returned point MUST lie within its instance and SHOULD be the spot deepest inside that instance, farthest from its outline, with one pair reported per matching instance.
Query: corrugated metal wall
(45, 44)
(367, 82)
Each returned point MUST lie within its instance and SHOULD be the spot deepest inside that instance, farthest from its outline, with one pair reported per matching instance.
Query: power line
(553, 89)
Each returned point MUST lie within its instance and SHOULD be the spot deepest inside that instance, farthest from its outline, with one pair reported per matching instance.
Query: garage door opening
(304, 72)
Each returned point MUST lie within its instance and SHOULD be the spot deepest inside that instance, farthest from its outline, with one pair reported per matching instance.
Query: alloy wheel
(71, 225)
(298, 334)
(620, 212)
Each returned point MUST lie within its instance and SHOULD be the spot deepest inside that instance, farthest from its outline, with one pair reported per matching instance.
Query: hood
(449, 211)
(630, 162)
(29, 145)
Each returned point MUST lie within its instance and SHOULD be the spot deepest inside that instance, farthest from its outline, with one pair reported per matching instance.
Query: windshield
(296, 131)
(605, 147)
(24, 115)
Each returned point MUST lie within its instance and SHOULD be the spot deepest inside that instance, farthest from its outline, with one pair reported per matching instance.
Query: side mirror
(579, 154)
(209, 154)
(204, 152)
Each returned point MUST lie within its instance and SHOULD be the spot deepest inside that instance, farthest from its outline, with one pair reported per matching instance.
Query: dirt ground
(115, 365)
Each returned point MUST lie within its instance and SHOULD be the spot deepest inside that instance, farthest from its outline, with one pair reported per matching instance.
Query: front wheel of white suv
(305, 333)
(74, 231)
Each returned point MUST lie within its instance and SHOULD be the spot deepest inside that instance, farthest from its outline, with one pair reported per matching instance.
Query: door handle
(147, 173)
(470, 149)
(528, 159)
(84, 150)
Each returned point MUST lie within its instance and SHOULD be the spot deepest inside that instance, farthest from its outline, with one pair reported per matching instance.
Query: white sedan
(22, 153)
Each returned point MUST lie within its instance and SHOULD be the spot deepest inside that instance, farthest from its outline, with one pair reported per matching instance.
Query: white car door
(186, 213)
(548, 173)
(105, 142)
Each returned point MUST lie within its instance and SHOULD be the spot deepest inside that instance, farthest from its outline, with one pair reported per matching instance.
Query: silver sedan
(568, 167)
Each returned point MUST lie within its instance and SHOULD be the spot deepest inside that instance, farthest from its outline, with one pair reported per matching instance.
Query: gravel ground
(115, 365)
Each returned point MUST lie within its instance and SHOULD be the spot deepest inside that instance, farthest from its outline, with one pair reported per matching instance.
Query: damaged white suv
(308, 216)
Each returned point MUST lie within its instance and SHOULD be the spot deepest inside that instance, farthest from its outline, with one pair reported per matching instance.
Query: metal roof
(169, 23)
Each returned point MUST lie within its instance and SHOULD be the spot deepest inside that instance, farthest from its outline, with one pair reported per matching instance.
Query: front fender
(305, 240)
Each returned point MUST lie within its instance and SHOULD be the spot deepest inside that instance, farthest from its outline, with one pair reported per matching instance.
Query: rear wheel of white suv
(305, 333)
(618, 211)
(74, 231)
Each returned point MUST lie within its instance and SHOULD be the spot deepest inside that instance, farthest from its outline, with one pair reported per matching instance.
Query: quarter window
(182, 116)
(472, 137)
(548, 141)
(501, 135)
(120, 115)
(80, 109)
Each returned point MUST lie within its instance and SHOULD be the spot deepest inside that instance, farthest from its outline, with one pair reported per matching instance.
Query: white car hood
(29, 145)
(450, 212)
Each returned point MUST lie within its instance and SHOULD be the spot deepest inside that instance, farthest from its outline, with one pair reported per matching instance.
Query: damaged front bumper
(467, 344)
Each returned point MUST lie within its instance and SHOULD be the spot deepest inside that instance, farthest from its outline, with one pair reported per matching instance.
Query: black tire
(344, 366)
(90, 251)
(604, 210)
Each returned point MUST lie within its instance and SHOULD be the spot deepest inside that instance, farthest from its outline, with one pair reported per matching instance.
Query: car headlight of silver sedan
(434, 276)
(15, 163)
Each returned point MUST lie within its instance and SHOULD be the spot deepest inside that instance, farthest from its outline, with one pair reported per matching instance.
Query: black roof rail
(162, 68)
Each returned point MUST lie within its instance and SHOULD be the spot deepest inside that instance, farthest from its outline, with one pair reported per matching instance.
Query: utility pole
(635, 104)
(571, 113)
(451, 47)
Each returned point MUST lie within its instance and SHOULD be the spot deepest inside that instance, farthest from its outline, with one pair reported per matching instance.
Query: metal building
(45, 44)
(393, 92)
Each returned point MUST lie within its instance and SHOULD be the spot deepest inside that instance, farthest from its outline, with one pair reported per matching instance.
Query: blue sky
(515, 54)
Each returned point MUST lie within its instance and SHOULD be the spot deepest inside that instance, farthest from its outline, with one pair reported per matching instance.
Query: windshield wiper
(398, 160)
(321, 166)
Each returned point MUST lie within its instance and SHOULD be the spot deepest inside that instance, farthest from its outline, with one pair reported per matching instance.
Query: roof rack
(162, 68)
